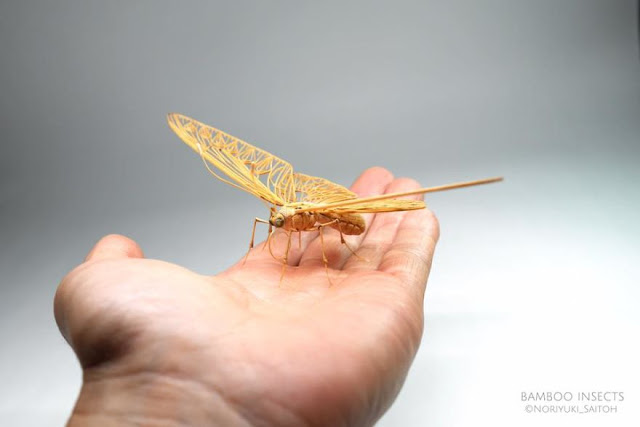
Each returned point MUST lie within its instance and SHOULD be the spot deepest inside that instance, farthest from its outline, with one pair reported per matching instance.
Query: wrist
(150, 399)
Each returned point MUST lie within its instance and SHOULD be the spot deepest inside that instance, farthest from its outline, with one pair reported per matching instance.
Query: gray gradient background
(535, 281)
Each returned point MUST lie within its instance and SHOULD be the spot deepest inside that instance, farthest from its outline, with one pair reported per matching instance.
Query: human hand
(162, 345)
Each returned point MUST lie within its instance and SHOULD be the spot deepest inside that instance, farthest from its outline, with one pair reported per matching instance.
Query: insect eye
(279, 222)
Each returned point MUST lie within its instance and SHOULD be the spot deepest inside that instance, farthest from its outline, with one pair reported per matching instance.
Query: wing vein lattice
(253, 170)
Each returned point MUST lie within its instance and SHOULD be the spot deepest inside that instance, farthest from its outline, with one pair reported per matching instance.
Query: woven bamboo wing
(389, 205)
(251, 169)
(313, 189)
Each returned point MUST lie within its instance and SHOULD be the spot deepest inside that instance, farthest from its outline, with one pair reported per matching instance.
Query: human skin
(162, 345)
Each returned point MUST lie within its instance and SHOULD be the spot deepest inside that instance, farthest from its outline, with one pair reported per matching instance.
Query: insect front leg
(253, 235)
(269, 233)
(285, 259)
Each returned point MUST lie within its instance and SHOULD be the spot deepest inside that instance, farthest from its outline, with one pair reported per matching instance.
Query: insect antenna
(406, 193)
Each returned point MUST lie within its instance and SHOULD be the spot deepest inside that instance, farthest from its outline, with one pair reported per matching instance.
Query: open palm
(160, 344)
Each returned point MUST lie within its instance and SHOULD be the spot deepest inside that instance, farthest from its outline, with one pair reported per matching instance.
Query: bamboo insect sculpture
(297, 202)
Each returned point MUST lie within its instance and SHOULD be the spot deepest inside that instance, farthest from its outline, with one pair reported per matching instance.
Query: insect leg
(269, 245)
(285, 259)
(344, 242)
(253, 232)
(268, 242)
(253, 235)
(325, 260)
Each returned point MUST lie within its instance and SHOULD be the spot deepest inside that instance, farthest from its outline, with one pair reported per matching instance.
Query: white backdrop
(534, 286)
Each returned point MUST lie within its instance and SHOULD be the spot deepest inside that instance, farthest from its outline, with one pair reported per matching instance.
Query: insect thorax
(297, 221)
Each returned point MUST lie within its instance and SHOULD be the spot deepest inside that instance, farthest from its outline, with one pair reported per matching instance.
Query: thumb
(114, 246)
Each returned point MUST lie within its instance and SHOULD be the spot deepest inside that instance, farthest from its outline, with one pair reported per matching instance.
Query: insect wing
(390, 205)
(250, 168)
(319, 190)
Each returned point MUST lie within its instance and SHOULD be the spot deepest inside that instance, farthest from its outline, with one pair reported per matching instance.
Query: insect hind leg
(335, 223)
(325, 260)
(344, 242)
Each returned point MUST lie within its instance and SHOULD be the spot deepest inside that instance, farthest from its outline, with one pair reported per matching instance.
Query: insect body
(297, 202)
(290, 220)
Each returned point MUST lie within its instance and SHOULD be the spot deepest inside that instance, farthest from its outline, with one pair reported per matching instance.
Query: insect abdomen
(350, 224)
